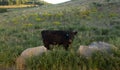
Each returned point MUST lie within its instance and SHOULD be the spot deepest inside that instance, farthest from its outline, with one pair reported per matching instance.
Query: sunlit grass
(16, 6)
(24, 31)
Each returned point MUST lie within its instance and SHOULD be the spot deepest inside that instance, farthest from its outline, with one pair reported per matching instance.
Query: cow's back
(52, 33)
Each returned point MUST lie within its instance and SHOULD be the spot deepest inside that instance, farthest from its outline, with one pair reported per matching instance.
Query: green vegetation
(18, 2)
(21, 29)
(3, 10)
(63, 60)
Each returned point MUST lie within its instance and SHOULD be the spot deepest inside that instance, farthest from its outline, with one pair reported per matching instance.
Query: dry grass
(20, 63)
(16, 6)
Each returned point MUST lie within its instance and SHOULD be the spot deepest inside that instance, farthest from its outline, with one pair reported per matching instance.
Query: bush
(3, 10)
(97, 4)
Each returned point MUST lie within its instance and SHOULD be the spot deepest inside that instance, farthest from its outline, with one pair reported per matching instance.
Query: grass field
(21, 29)
(17, 6)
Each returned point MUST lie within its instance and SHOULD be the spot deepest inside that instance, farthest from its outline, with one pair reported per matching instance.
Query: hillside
(79, 4)
(94, 20)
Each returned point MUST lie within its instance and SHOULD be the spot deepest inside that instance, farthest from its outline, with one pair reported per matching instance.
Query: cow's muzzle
(70, 41)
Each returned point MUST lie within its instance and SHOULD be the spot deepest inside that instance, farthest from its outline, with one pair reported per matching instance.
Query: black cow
(57, 37)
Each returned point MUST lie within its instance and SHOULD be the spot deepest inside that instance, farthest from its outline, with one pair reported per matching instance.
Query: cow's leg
(66, 46)
(46, 45)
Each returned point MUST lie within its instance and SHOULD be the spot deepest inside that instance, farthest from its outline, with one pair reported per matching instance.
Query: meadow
(21, 29)
(16, 6)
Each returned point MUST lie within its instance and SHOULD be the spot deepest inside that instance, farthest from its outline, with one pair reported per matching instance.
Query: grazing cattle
(57, 37)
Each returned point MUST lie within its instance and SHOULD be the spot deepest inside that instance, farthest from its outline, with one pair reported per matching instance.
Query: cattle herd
(57, 37)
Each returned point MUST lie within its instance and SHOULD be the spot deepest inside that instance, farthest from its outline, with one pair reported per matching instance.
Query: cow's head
(70, 36)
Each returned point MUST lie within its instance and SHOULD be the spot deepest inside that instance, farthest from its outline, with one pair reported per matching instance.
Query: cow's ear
(75, 32)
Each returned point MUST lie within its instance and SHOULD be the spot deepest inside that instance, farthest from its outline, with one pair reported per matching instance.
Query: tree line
(18, 2)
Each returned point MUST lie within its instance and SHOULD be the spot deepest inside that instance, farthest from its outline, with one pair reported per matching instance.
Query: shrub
(97, 4)
(2, 10)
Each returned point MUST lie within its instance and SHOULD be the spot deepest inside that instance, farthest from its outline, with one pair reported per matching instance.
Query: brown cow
(57, 37)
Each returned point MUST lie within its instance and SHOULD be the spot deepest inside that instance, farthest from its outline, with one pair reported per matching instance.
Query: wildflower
(38, 19)
(56, 23)
(15, 20)
(60, 14)
(101, 16)
(113, 14)
(28, 24)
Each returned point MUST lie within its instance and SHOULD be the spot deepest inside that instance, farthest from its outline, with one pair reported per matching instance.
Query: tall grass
(62, 60)
(24, 31)
(2, 10)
